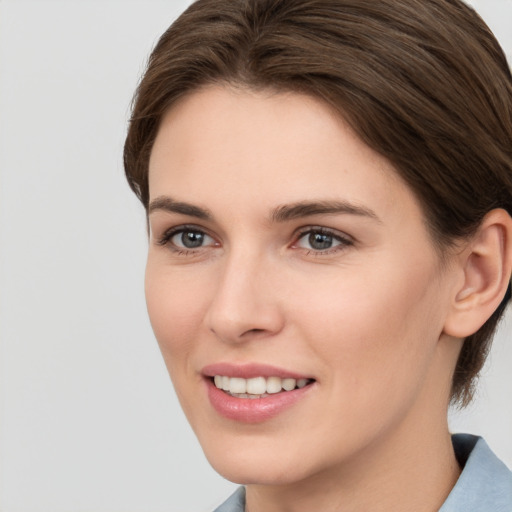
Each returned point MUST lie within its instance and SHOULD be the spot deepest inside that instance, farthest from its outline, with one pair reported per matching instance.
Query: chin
(258, 459)
(243, 462)
(262, 472)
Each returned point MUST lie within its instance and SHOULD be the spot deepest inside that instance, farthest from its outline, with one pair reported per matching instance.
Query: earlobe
(486, 265)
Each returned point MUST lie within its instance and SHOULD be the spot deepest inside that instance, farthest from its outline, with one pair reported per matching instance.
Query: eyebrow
(279, 214)
(309, 208)
(168, 204)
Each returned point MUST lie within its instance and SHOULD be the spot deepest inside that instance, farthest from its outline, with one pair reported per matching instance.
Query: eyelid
(324, 230)
(167, 235)
(344, 239)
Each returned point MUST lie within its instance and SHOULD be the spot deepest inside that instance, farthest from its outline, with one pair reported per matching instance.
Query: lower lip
(253, 410)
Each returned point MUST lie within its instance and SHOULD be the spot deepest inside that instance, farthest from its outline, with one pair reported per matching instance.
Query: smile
(257, 387)
(254, 393)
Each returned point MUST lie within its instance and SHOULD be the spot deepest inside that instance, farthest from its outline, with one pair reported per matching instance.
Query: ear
(486, 266)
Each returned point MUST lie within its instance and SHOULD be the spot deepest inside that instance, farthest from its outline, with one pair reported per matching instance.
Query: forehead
(267, 148)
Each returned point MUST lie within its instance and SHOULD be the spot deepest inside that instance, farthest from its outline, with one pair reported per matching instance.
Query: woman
(328, 186)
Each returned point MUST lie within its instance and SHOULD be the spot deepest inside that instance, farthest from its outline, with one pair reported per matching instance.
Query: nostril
(246, 324)
(253, 334)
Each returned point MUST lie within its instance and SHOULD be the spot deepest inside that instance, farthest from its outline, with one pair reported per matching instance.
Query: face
(294, 290)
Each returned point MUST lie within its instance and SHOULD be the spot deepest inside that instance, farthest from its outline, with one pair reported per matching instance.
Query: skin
(365, 318)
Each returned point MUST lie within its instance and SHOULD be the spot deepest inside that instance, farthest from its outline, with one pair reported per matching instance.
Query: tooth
(289, 384)
(237, 385)
(273, 385)
(301, 383)
(256, 386)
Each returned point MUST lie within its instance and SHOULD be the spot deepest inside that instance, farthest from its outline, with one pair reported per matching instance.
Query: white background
(89, 421)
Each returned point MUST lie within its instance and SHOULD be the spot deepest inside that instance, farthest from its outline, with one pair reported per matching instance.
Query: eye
(191, 239)
(321, 240)
(186, 238)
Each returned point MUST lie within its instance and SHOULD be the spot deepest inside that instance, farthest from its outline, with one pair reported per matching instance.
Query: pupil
(192, 239)
(320, 241)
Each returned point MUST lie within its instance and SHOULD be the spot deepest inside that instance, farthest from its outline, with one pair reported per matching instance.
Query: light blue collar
(485, 483)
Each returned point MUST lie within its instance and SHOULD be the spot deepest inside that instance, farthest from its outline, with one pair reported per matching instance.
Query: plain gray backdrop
(88, 419)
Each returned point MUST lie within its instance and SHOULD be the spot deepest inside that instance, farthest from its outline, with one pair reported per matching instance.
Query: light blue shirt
(485, 484)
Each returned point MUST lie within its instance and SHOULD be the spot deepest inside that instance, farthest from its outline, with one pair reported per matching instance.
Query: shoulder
(485, 482)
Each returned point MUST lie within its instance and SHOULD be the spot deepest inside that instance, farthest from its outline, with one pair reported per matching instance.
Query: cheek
(176, 307)
(375, 332)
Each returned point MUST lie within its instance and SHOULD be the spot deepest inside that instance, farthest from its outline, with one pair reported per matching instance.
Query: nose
(245, 304)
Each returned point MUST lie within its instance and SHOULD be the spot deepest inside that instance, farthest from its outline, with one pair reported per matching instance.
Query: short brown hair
(422, 82)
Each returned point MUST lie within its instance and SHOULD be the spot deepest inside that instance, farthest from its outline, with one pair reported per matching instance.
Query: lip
(252, 410)
(250, 370)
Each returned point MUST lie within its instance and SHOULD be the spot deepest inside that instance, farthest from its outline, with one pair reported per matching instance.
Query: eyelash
(165, 239)
(343, 241)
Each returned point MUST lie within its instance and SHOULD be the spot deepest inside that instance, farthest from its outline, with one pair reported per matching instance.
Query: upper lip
(250, 370)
